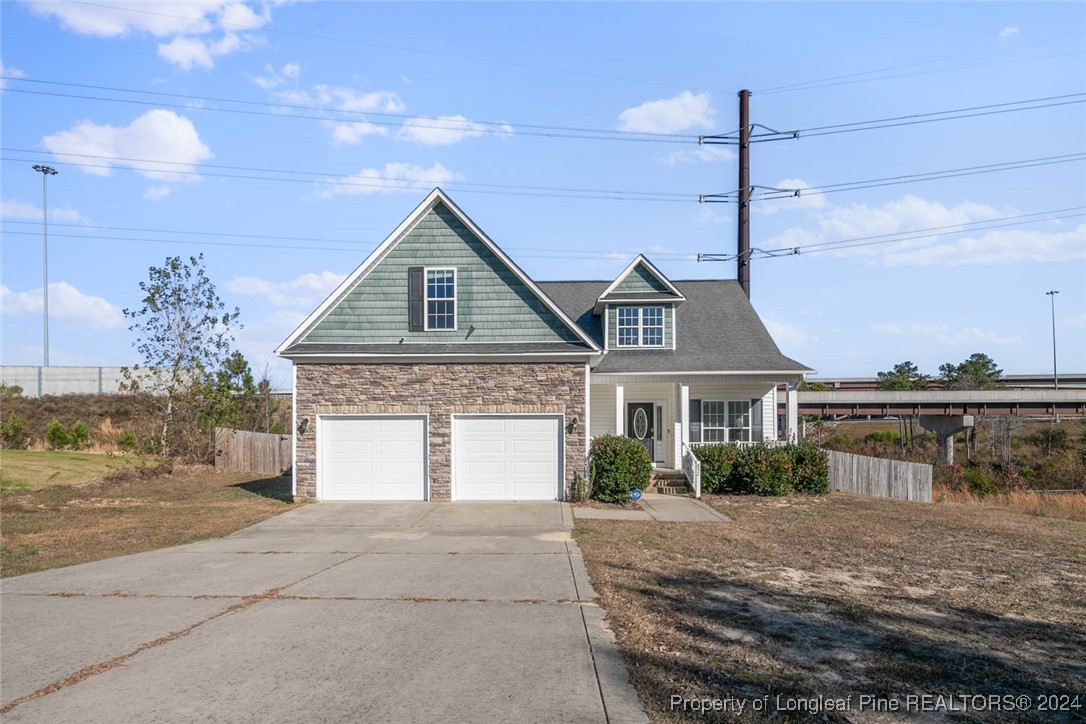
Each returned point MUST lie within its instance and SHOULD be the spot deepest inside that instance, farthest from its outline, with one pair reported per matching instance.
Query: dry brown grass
(67, 524)
(844, 595)
(1054, 505)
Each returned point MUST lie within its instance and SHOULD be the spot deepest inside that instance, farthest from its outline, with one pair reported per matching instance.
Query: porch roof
(716, 329)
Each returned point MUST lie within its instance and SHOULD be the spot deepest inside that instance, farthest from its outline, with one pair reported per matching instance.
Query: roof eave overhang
(357, 358)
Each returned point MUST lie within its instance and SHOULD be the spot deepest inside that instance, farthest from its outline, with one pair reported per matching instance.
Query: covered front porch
(669, 412)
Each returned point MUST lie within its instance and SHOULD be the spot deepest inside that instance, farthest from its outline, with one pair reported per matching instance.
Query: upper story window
(640, 326)
(440, 299)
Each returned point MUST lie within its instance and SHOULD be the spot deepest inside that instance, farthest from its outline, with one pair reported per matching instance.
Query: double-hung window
(440, 299)
(725, 421)
(640, 327)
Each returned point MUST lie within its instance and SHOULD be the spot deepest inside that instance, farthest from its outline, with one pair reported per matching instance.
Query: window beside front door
(725, 421)
(640, 326)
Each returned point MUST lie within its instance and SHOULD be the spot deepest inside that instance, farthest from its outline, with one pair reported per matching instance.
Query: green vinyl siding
(640, 280)
(612, 325)
(489, 296)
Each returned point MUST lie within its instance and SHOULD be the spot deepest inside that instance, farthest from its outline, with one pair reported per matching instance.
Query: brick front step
(669, 490)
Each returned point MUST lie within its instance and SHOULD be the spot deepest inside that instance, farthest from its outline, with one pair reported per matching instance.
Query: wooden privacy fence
(255, 452)
(879, 477)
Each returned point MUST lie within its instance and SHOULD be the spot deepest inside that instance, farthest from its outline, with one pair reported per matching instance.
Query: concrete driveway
(336, 612)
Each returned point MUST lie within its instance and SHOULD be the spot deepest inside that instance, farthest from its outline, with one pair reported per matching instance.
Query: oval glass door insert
(640, 423)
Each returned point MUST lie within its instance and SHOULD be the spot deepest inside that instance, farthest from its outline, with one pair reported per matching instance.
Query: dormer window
(640, 326)
(440, 299)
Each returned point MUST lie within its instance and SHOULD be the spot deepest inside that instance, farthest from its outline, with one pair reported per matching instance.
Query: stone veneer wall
(439, 390)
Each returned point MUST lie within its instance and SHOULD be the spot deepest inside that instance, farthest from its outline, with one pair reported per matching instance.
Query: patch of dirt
(840, 595)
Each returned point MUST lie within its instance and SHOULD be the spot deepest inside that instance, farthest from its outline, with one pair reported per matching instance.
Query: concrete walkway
(667, 508)
(363, 612)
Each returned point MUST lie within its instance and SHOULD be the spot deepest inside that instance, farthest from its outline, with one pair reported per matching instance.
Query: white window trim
(727, 428)
(641, 325)
(426, 299)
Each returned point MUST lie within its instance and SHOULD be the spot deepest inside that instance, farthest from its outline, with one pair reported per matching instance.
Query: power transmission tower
(742, 138)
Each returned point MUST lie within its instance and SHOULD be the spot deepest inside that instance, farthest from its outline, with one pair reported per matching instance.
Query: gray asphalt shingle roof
(716, 329)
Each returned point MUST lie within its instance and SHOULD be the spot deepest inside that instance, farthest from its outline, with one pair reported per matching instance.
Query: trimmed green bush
(810, 469)
(619, 465)
(763, 469)
(57, 435)
(717, 462)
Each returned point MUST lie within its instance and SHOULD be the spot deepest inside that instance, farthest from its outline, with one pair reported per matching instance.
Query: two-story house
(438, 370)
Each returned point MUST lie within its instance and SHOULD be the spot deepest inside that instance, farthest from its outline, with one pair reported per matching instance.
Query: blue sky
(470, 96)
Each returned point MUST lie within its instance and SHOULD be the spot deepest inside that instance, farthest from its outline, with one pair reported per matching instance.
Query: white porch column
(791, 430)
(684, 422)
(620, 411)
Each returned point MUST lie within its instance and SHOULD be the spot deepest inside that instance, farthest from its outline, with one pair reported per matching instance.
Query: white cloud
(307, 290)
(701, 154)
(335, 98)
(159, 134)
(787, 335)
(443, 130)
(273, 78)
(66, 304)
(156, 193)
(184, 22)
(1008, 31)
(1004, 246)
(350, 134)
(394, 177)
(860, 221)
(18, 209)
(1076, 322)
(9, 71)
(791, 203)
(948, 335)
(684, 111)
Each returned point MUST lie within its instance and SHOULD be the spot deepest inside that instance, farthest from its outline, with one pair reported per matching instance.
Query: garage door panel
(373, 458)
(507, 457)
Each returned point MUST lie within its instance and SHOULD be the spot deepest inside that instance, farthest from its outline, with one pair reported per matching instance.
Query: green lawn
(37, 469)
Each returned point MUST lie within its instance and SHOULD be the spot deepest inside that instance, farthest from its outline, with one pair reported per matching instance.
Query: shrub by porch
(763, 469)
(619, 465)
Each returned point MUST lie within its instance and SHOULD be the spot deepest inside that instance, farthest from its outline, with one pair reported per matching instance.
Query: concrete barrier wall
(38, 381)
(879, 477)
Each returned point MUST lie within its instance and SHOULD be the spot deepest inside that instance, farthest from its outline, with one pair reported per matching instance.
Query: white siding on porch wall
(602, 413)
(601, 416)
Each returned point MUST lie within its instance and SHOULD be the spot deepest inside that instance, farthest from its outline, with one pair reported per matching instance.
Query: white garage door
(507, 458)
(373, 458)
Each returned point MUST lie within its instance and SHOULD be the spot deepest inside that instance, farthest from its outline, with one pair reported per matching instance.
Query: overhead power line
(382, 182)
(527, 252)
(375, 118)
(775, 194)
(913, 119)
(397, 184)
(912, 234)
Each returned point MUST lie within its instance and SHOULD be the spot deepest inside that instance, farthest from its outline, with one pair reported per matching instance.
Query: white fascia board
(441, 358)
(720, 373)
(652, 269)
(394, 238)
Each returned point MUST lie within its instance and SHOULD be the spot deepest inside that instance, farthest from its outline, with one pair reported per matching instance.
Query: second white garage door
(505, 457)
(372, 458)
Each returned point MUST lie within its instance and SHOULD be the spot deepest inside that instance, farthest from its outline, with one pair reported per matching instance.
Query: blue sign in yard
(635, 495)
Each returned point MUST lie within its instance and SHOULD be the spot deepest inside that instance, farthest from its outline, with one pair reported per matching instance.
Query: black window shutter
(695, 420)
(756, 420)
(416, 302)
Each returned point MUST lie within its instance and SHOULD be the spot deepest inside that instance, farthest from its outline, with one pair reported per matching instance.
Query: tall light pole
(1055, 378)
(45, 172)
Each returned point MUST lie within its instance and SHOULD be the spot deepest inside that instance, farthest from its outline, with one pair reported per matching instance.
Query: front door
(640, 424)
